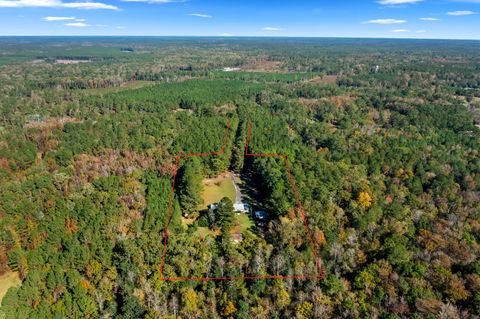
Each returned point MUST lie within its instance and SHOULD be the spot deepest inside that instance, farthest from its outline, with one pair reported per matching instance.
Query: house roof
(241, 207)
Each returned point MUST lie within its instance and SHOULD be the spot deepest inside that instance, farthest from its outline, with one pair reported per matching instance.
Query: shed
(261, 215)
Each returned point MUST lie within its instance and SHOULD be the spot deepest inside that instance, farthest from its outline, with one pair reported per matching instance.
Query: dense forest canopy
(382, 138)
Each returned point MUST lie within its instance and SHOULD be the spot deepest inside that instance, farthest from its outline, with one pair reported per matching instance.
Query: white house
(237, 207)
(241, 207)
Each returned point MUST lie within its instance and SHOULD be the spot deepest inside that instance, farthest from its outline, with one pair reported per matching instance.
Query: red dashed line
(222, 150)
(239, 278)
(172, 194)
(292, 181)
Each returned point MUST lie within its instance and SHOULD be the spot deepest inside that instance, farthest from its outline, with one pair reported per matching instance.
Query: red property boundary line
(297, 197)
(221, 152)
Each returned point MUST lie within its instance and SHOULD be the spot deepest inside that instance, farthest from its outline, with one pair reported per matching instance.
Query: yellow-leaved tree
(364, 199)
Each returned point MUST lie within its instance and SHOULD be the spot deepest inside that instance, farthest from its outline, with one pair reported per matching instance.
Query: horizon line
(239, 36)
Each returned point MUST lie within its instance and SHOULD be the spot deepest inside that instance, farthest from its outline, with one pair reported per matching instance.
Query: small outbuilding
(261, 215)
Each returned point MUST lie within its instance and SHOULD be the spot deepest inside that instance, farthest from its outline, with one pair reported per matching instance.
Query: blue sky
(447, 19)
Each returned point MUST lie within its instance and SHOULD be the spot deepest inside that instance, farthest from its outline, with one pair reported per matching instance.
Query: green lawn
(214, 190)
(204, 231)
(217, 188)
(242, 223)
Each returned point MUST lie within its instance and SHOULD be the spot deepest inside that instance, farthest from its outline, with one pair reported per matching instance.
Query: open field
(327, 79)
(242, 223)
(202, 232)
(7, 281)
(132, 85)
(217, 188)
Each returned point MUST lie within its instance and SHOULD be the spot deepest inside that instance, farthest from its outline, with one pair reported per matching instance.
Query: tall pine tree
(190, 186)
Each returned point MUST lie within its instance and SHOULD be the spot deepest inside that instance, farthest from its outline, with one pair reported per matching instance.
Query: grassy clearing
(214, 189)
(257, 76)
(203, 232)
(7, 281)
(12, 59)
(242, 223)
(132, 85)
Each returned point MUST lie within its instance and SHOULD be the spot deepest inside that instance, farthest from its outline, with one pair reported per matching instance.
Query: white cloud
(386, 21)
(120, 27)
(429, 19)
(63, 19)
(399, 30)
(55, 4)
(397, 2)
(77, 24)
(271, 29)
(89, 6)
(421, 31)
(58, 18)
(226, 35)
(200, 15)
(461, 13)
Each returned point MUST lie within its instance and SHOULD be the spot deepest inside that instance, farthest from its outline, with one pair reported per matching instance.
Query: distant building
(261, 215)
(230, 69)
